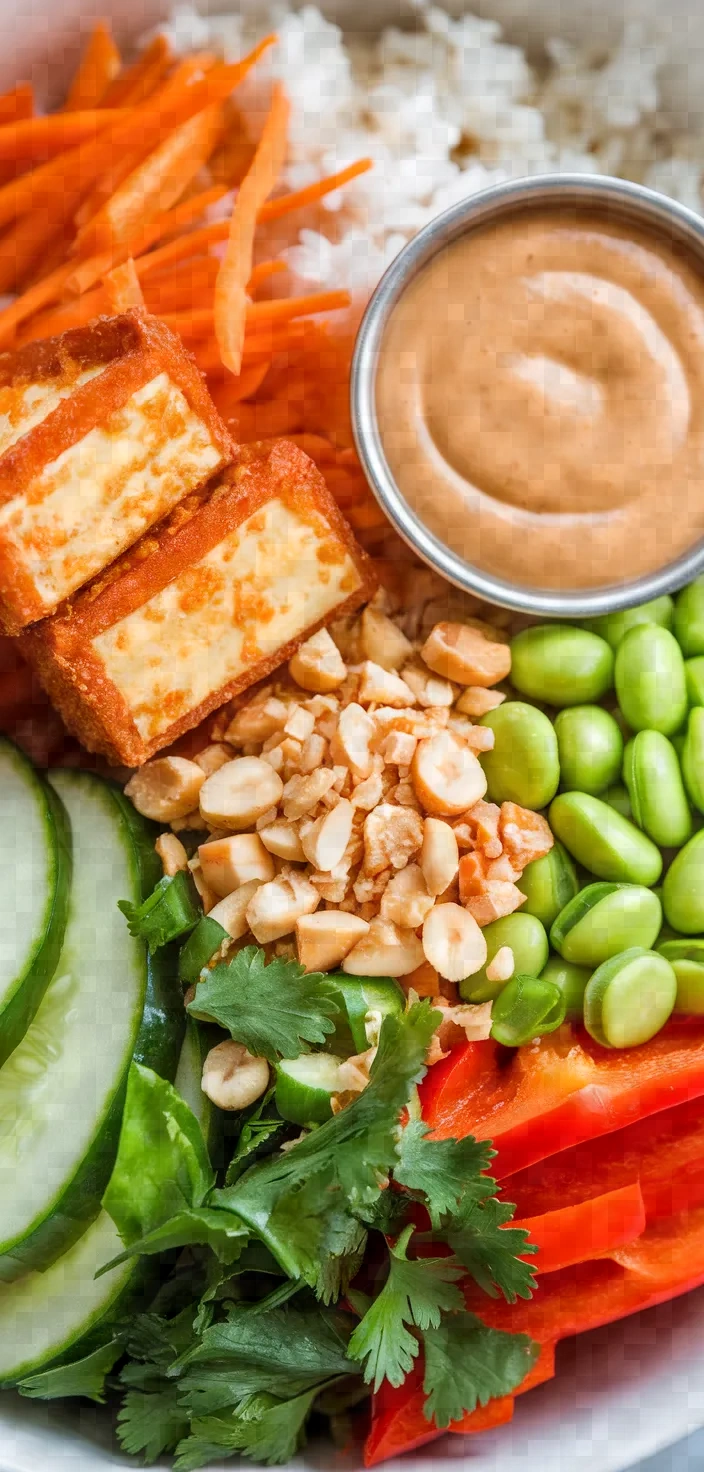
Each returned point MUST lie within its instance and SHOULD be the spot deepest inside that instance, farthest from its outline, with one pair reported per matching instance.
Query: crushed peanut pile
(343, 812)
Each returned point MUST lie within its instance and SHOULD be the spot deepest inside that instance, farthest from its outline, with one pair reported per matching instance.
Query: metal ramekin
(625, 203)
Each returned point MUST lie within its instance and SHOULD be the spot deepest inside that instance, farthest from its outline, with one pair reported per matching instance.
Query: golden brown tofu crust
(61, 649)
(136, 348)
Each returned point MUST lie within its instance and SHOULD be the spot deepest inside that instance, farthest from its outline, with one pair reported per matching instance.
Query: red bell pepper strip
(399, 1425)
(560, 1090)
(589, 1229)
(664, 1152)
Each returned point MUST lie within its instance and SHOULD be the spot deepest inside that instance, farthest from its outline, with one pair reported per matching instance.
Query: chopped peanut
(466, 655)
(231, 912)
(228, 863)
(382, 687)
(398, 748)
(281, 839)
(326, 840)
(472, 875)
(502, 868)
(428, 689)
(368, 794)
(525, 835)
(405, 900)
(303, 793)
(275, 907)
(172, 853)
(478, 738)
(240, 792)
(453, 942)
(353, 1073)
(325, 938)
(501, 966)
(352, 741)
(483, 820)
(300, 723)
(384, 951)
(463, 1023)
(439, 855)
(313, 753)
(256, 721)
(166, 789)
(208, 897)
(318, 664)
(392, 835)
(232, 1078)
(447, 777)
(213, 757)
(498, 898)
(382, 640)
(418, 723)
(476, 701)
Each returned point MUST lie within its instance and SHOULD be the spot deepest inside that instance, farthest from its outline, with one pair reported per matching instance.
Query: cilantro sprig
(277, 1009)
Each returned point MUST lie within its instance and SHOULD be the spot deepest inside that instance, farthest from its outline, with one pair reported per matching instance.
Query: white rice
(444, 110)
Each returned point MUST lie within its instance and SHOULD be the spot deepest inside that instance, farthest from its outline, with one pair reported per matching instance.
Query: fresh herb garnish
(171, 910)
(275, 1010)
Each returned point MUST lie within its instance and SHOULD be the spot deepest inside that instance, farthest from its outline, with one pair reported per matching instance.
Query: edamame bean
(686, 958)
(650, 680)
(629, 998)
(617, 797)
(561, 664)
(694, 675)
(613, 626)
(605, 919)
(683, 889)
(604, 842)
(529, 943)
(527, 1007)
(572, 981)
(651, 772)
(590, 747)
(689, 618)
(548, 884)
(523, 766)
(693, 757)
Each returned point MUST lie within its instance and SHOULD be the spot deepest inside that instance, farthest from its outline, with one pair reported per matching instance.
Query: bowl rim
(623, 200)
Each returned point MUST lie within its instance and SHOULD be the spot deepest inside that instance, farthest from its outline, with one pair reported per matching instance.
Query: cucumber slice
(62, 1090)
(304, 1087)
(364, 1002)
(197, 1042)
(35, 880)
(45, 1317)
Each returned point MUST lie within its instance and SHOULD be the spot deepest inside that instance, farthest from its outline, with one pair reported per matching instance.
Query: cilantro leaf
(149, 1424)
(276, 1010)
(193, 1226)
(443, 1170)
(489, 1249)
(467, 1363)
(271, 1432)
(172, 909)
(415, 1293)
(84, 1377)
(262, 1127)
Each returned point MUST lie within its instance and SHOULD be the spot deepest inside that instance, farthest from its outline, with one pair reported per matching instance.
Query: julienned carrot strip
(45, 291)
(136, 81)
(62, 318)
(17, 104)
(233, 390)
(99, 66)
(123, 288)
(263, 271)
(275, 208)
(157, 184)
(197, 322)
(266, 421)
(86, 273)
(281, 308)
(187, 245)
(32, 138)
(24, 244)
(236, 268)
(193, 287)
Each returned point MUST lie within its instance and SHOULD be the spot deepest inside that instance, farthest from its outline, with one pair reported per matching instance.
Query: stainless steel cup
(624, 203)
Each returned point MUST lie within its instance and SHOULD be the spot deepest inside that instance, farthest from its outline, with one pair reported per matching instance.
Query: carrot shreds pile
(123, 288)
(17, 104)
(100, 65)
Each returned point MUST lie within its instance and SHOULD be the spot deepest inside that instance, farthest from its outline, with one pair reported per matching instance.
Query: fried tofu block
(213, 600)
(102, 432)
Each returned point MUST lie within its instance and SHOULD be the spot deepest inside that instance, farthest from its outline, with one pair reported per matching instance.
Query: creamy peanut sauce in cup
(540, 398)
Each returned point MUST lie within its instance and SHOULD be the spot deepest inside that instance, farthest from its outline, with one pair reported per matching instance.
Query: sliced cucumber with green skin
(62, 1090)
(305, 1086)
(197, 1042)
(35, 881)
(364, 1001)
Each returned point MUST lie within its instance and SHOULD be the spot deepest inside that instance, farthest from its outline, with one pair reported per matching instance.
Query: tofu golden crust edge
(61, 648)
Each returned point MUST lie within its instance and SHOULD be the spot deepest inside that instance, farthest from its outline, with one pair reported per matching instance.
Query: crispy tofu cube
(102, 432)
(202, 608)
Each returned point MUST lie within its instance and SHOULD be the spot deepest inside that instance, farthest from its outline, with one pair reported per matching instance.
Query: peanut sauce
(540, 399)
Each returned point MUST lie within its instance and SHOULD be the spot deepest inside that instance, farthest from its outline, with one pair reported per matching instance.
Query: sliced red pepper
(664, 1152)
(399, 1425)
(559, 1091)
(589, 1229)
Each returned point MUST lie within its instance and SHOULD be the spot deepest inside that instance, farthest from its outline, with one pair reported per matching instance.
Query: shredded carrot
(123, 288)
(190, 286)
(187, 245)
(24, 244)
(38, 296)
(236, 269)
(86, 273)
(275, 208)
(266, 421)
(233, 390)
(63, 318)
(282, 308)
(100, 65)
(196, 322)
(263, 271)
(136, 82)
(43, 137)
(17, 104)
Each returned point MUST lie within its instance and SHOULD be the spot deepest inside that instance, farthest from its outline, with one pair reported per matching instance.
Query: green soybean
(529, 943)
(689, 618)
(613, 626)
(561, 665)
(603, 841)
(650, 680)
(651, 772)
(590, 747)
(548, 884)
(617, 797)
(693, 757)
(605, 919)
(572, 981)
(524, 766)
(683, 889)
(694, 675)
(526, 1008)
(686, 958)
(629, 998)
